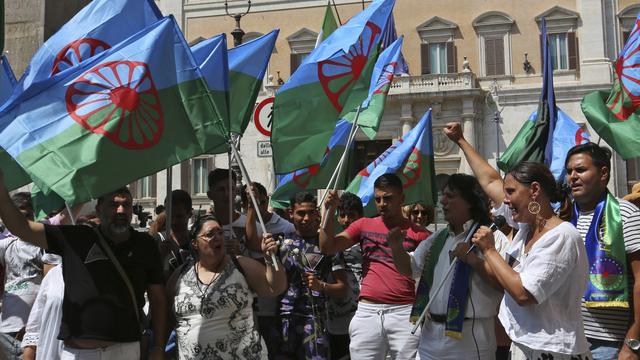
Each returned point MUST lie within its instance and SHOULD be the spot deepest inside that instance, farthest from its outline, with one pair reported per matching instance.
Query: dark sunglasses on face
(419, 212)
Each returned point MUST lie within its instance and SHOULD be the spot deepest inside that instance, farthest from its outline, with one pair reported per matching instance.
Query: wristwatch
(633, 344)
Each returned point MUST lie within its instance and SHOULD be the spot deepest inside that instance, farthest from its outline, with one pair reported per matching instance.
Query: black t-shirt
(97, 303)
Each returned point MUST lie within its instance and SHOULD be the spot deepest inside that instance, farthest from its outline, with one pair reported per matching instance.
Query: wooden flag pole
(246, 177)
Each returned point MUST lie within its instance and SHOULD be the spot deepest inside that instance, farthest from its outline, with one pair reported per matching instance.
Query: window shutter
(572, 47)
(295, 62)
(625, 37)
(542, 53)
(133, 189)
(154, 185)
(499, 56)
(424, 59)
(185, 175)
(451, 58)
(489, 56)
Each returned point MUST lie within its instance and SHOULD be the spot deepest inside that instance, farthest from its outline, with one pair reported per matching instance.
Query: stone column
(406, 118)
(468, 130)
(594, 65)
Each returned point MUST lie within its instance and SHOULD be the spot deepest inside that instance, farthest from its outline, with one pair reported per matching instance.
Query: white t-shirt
(611, 324)
(555, 272)
(23, 274)
(45, 318)
(482, 305)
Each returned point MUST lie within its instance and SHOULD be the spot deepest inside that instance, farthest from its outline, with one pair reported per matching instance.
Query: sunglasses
(419, 212)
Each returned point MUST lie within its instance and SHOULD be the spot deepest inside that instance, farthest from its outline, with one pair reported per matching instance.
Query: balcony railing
(433, 83)
(416, 84)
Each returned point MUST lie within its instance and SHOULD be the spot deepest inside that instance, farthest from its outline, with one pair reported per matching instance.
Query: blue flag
(247, 66)
(97, 27)
(411, 158)
(138, 107)
(211, 57)
(566, 135)
(388, 37)
(7, 79)
(534, 141)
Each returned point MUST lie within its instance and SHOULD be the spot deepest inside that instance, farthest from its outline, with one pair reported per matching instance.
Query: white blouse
(555, 272)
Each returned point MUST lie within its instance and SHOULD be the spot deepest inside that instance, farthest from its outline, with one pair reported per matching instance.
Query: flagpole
(246, 177)
(335, 177)
(337, 14)
(472, 231)
(169, 204)
(71, 217)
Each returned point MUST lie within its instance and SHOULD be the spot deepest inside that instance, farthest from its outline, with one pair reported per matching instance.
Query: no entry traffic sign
(263, 116)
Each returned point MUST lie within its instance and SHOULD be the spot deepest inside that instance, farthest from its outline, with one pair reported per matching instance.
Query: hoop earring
(534, 207)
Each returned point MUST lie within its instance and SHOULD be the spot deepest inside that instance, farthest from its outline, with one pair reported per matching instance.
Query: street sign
(263, 115)
(264, 148)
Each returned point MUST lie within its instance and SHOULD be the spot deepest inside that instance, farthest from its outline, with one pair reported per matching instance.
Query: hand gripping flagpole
(245, 176)
(333, 181)
(472, 231)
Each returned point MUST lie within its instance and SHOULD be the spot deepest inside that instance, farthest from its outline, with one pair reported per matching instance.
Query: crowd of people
(559, 280)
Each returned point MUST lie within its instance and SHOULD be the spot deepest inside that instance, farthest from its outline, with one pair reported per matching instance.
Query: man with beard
(106, 273)
(381, 323)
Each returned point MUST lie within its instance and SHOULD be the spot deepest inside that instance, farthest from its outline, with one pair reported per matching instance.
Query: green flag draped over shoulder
(139, 107)
(328, 82)
(615, 116)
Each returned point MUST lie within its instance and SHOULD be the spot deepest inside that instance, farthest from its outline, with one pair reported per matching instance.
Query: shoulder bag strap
(123, 275)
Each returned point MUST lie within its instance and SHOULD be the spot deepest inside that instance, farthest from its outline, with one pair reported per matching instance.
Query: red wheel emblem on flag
(384, 82)
(412, 169)
(626, 100)
(77, 51)
(119, 100)
(580, 138)
(338, 75)
(302, 178)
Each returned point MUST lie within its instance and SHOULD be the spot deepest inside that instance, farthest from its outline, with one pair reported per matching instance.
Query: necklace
(202, 287)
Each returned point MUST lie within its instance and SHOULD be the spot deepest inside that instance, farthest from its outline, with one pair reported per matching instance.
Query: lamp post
(494, 93)
(237, 33)
(234, 166)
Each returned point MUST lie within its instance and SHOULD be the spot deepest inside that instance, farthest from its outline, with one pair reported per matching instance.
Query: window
(494, 41)
(302, 43)
(561, 35)
(199, 171)
(144, 188)
(627, 18)
(437, 50)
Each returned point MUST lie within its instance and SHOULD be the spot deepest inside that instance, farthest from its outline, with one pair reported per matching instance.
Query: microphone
(498, 222)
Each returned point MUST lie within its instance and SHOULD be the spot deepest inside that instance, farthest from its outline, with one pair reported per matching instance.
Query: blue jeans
(604, 350)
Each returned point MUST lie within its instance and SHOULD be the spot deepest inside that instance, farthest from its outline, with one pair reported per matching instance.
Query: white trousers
(120, 351)
(522, 352)
(380, 329)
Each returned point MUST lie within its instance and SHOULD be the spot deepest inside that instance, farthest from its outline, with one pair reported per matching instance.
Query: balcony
(432, 83)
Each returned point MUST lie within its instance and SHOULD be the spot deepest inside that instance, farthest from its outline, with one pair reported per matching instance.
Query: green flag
(329, 25)
(138, 107)
(332, 80)
(615, 116)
